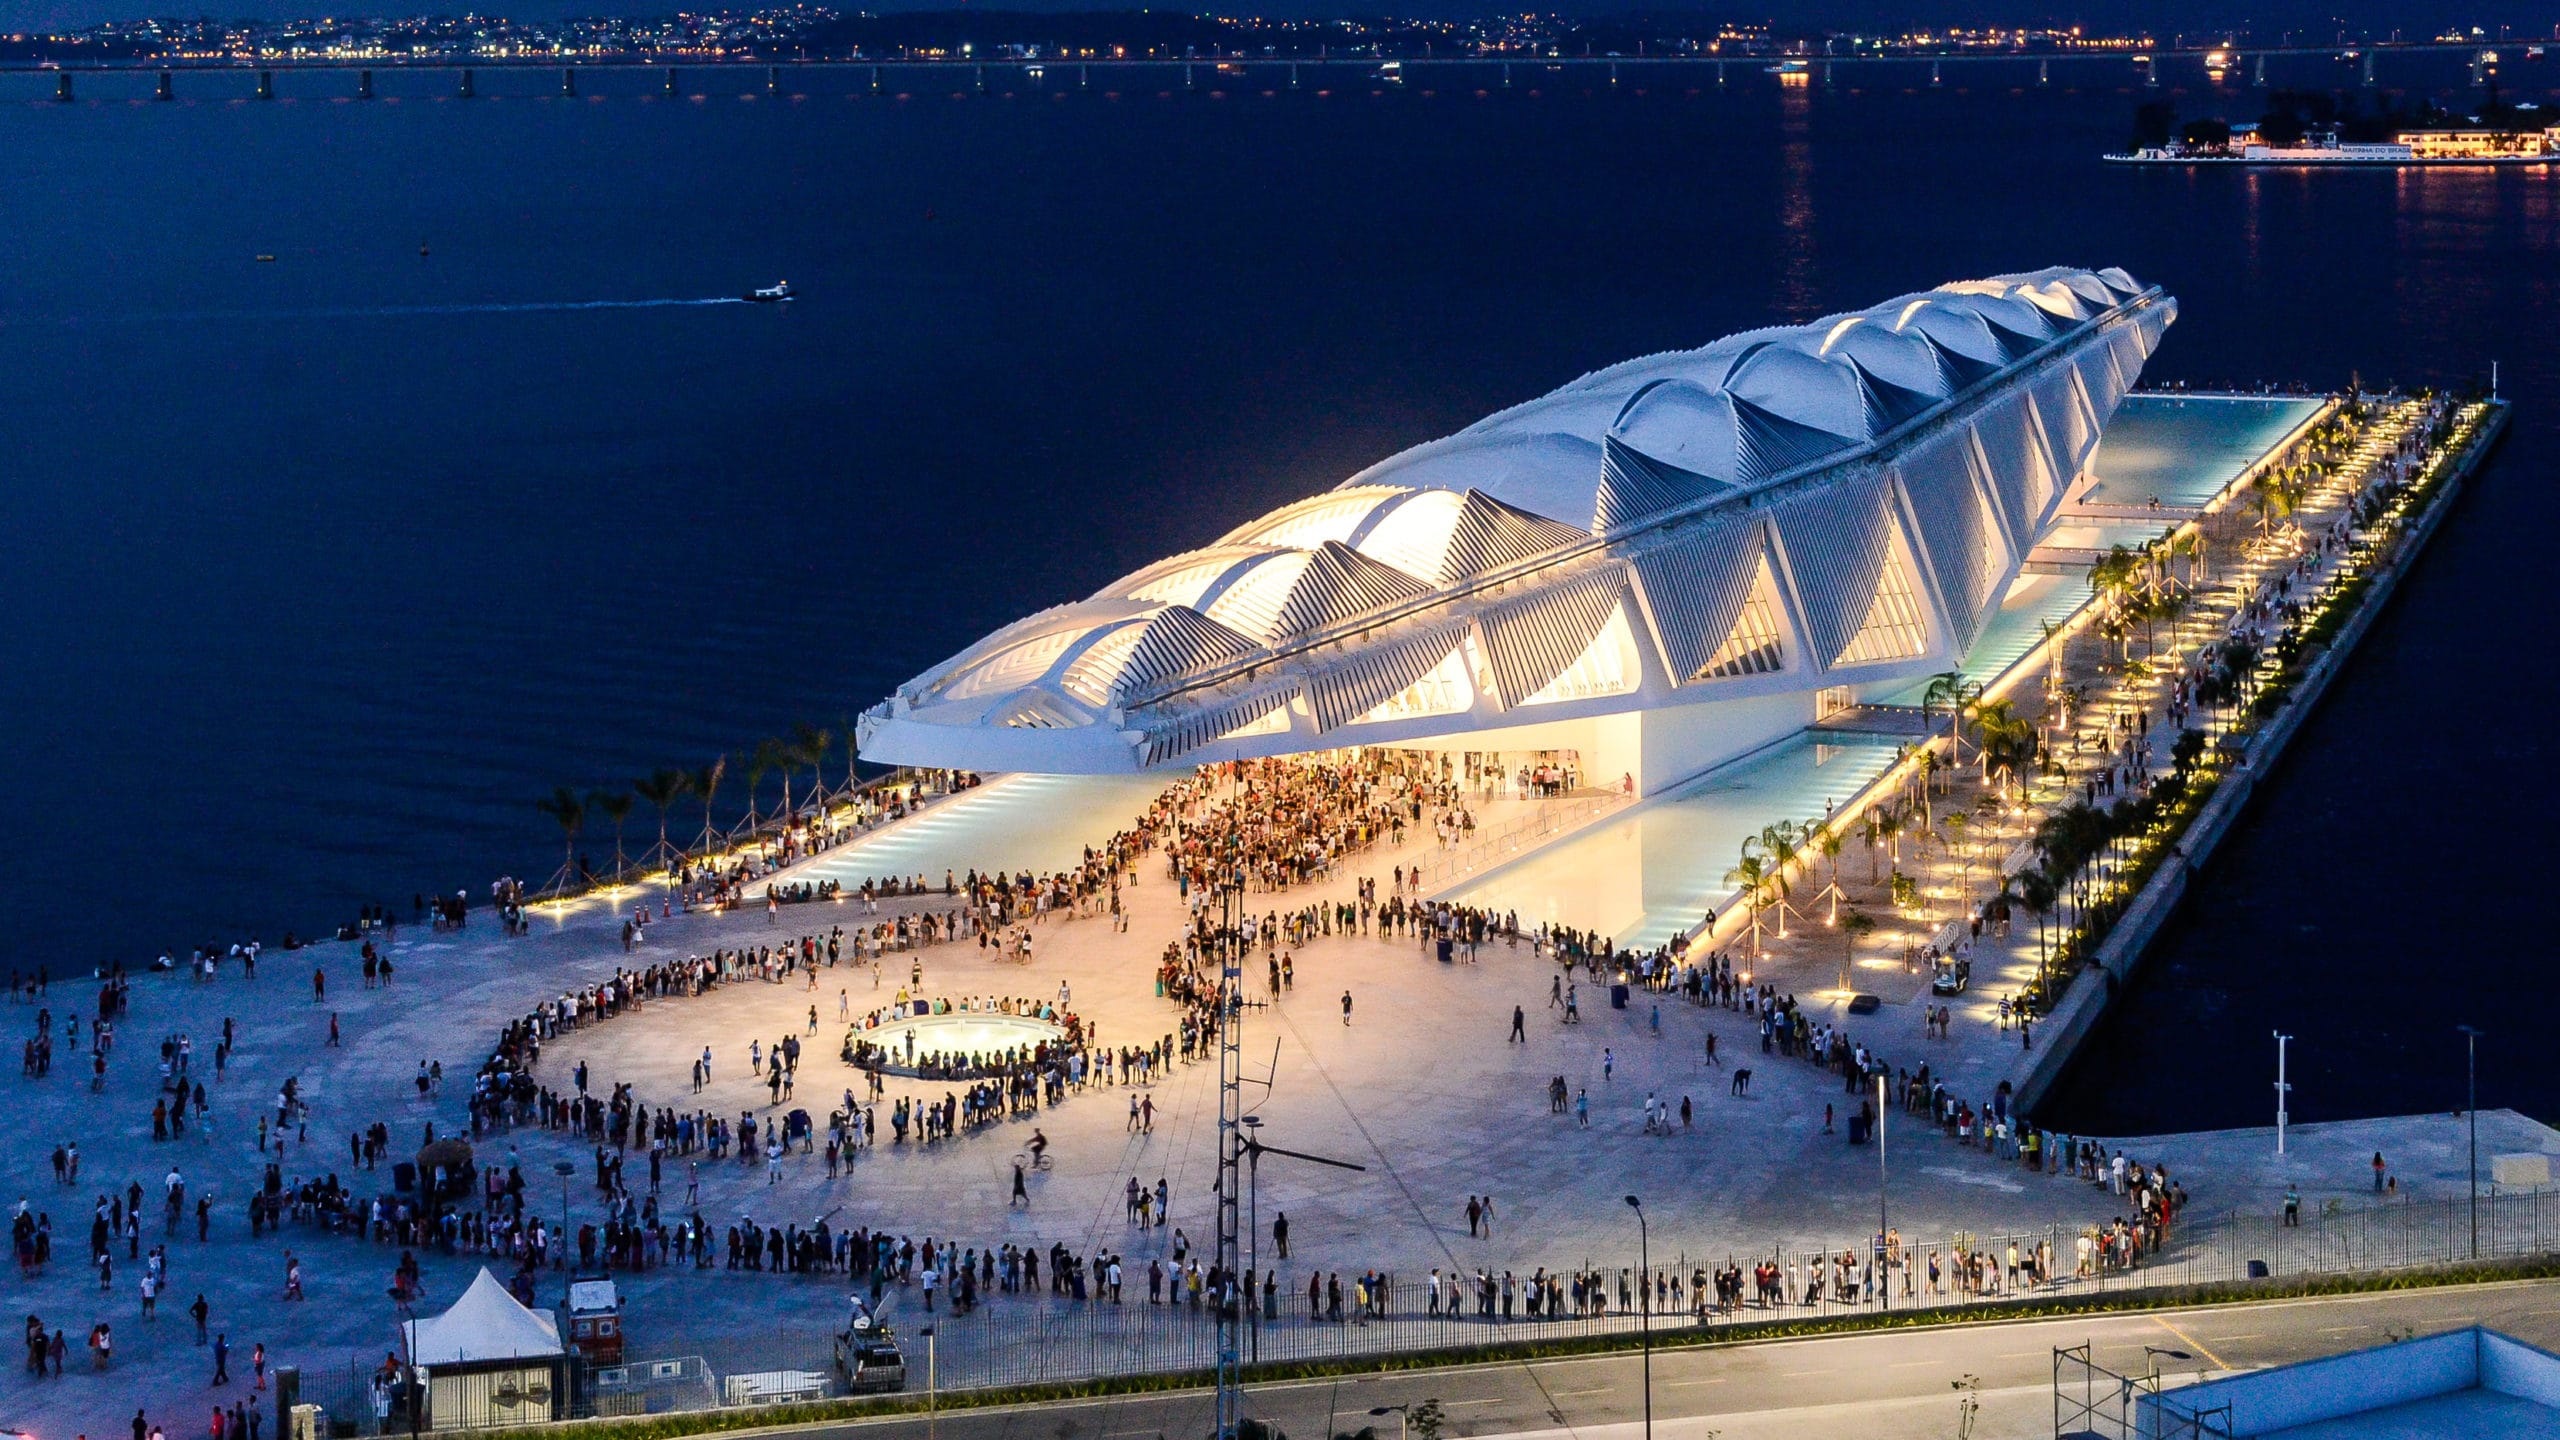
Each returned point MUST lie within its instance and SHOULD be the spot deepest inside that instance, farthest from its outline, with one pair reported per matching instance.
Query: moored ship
(2525, 148)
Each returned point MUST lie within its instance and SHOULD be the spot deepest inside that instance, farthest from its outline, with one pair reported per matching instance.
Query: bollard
(773, 79)
(672, 87)
(167, 88)
(2044, 72)
(62, 87)
(466, 82)
(266, 84)
(364, 84)
(1936, 78)
(568, 84)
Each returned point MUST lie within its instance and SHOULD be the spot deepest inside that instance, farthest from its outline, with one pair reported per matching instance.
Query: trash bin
(1447, 948)
(1618, 995)
(2257, 1269)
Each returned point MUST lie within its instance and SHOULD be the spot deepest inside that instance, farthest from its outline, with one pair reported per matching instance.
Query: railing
(1552, 817)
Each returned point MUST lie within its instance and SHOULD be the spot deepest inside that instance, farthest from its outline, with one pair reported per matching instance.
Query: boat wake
(377, 312)
(527, 307)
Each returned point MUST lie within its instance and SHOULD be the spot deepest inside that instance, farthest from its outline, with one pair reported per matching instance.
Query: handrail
(1548, 819)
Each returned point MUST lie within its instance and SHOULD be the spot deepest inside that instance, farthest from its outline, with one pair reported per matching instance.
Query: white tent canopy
(486, 1324)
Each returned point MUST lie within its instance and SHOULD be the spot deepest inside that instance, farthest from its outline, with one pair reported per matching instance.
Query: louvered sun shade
(1634, 485)
(1696, 588)
(1489, 535)
(1178, 640)
(1339, 583)
(1367, 679)
(1836, 537)
(1530, 641)
(1940, 483)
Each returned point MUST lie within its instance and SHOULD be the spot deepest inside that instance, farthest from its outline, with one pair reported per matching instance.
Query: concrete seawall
(2121, 955)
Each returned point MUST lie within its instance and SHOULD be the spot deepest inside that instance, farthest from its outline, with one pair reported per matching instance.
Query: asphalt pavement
(1894, 1383)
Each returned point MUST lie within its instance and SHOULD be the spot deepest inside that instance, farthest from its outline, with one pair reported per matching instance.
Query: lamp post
(2282, 1089)
(2471, 1110)
(1644, 1306)
(2151, 1357)
(564, 1170)
(1884, 1256)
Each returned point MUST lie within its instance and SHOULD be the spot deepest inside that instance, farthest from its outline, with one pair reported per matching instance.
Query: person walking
(1519, 1025)
(221, 1368)
(198, 1311)
(1346, 1007)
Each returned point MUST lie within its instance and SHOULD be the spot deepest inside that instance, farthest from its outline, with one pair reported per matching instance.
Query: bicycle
(1025, 1160)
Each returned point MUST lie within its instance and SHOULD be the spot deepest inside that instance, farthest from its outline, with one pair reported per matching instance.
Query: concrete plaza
(1422, 1087)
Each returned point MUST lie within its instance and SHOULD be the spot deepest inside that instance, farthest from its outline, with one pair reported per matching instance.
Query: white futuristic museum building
(1659, 567)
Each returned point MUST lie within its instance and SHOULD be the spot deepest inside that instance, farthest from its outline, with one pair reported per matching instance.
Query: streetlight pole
(2282, 1089)
(564, 1170)
(2471, 1109)
(1884, 1255)
(1644, 1306)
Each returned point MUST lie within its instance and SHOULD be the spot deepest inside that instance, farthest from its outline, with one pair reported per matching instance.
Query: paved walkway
(1422, 1088)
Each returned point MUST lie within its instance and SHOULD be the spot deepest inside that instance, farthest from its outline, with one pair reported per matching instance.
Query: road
(1878, 1384)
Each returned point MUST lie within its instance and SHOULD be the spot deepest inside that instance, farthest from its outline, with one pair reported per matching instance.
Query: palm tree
(1854, 926)
(2038, 893)
(662, 788)
(1782, 840)
(1828, 840)
(1752, 875)
(564, 807)
(813, 742)
(705, 784)
(761, 762)
(1944, 688)
(614, 805)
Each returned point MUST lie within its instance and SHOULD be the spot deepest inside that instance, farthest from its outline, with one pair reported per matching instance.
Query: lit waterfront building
(1658, 567)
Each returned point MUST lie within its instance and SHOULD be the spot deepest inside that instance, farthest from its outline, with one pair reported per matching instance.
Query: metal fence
(1010, 1340)
(1549, 818)
(651, 1387)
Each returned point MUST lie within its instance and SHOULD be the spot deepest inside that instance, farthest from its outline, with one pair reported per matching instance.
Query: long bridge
(230, 76)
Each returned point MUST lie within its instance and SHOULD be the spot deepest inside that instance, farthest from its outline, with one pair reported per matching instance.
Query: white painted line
(1678, 1384)
(1603, 1390)
(1800, 1374)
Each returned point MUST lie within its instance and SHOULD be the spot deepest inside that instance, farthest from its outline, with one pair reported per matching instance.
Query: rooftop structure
(2468, 1382)
(1659, 566)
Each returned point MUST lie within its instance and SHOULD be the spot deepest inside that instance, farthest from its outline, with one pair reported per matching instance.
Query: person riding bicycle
(1039, 1147)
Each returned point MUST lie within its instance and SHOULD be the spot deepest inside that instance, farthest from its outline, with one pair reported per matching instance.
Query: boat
(1391, 73)
(1789, 67)
(266, 259)
(2527, 149)
(773, 294)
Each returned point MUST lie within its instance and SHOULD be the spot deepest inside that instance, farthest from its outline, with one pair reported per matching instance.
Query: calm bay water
(315, 574)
